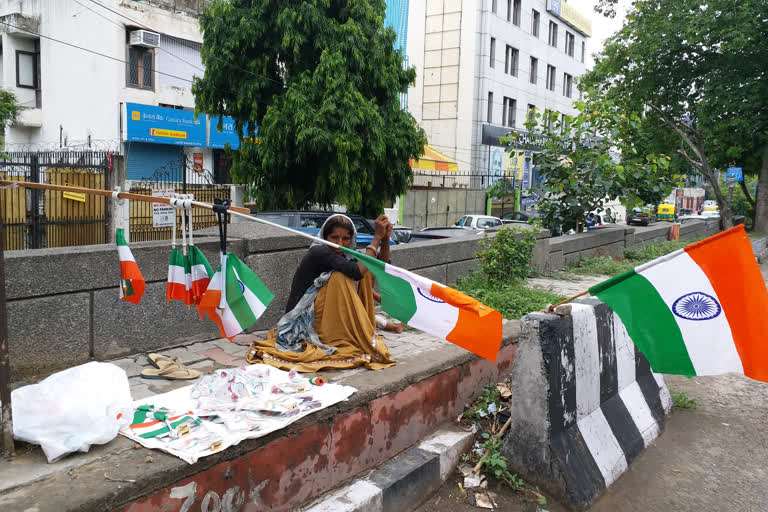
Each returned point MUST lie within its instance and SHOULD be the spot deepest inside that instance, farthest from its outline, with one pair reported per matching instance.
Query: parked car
(478, 222)
(312, 220)
(638, 216)
(519, 217)
(684, 219)
(400, 234)
(427, 234)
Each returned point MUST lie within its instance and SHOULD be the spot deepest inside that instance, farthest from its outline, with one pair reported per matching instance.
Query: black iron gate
(181, 176)
(36, 219)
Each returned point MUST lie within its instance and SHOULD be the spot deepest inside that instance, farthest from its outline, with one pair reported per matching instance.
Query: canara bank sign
(162, 125)
(571, 16)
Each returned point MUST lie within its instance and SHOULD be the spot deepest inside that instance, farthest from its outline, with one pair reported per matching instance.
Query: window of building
(553, 34)
(567, 85)
(535, 24)
(509, 10)
(583, 50)
(516, 8)
(508, 114)
(564, 124)
(570, 43)
(551, 70)
(511, 61)
(534, 71)
(531, 112)
(26, 69)
(493, 6)
(141, 67)
(492, 62)
(490, 107)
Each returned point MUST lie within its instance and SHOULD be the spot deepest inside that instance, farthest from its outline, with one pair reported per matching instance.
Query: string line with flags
(236, 297)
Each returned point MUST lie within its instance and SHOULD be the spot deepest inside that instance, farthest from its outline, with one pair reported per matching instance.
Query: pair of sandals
(168, 368)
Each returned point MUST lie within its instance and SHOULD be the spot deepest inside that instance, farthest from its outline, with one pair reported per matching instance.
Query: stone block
(263, 237)
(435, 252)
(453, 271)
(121, 328)
(276, 272)
(405, 480)
(589, 240)
(556, 261)
(572, 259)
(434, 273)
(48, 334)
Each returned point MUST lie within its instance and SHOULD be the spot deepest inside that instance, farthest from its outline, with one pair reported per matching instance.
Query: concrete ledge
(392, 410)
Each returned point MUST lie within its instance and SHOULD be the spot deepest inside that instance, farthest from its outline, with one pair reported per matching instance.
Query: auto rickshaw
(666, 212)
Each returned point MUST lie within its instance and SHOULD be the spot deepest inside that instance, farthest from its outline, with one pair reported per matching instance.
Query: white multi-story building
(109, 74)
(483, 65)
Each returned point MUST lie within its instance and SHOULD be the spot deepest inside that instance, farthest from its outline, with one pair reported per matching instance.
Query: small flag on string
(177, 287)
(131, 281)
(200, 273)
(235, 297)
(436, 309)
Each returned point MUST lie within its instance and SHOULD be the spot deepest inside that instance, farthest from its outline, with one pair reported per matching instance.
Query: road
(709, 459)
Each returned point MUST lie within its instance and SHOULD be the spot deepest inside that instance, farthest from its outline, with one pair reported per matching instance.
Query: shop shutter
(146, 158)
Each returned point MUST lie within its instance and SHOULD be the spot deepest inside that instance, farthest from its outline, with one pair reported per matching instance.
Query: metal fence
(177, 176)
(36, 219)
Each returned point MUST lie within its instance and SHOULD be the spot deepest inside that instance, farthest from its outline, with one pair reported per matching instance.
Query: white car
(479, 222)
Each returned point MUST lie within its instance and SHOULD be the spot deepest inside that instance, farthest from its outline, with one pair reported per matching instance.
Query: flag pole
(551, 309)
(235, 211)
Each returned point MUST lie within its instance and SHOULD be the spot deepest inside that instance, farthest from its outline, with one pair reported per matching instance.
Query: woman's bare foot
(391, 327)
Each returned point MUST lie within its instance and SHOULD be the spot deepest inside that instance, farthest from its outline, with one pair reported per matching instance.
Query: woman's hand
(382, 227)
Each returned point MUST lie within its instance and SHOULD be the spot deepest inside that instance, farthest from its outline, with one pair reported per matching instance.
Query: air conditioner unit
(145, 38)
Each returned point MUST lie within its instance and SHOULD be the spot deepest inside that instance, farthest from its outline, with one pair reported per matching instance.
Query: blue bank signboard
(219, 139)
(147, 123)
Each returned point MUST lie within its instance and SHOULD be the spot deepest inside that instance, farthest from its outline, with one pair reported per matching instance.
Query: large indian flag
(702, 310)
(131, 281)
(235, 297)
(436, 309)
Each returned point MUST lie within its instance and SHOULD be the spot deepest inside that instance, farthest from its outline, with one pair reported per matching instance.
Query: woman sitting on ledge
(329, 321)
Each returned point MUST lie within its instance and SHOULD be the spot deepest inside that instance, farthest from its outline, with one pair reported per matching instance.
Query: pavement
(566, 288)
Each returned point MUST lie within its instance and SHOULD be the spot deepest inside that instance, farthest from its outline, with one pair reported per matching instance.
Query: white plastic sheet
(72, 409)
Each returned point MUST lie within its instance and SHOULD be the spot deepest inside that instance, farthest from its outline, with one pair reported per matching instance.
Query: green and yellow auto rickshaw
(666, 212)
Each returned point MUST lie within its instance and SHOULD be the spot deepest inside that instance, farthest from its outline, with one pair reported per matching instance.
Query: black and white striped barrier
(585, 402)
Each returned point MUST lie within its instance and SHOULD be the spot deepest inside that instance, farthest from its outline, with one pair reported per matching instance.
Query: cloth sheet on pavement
(226, 407)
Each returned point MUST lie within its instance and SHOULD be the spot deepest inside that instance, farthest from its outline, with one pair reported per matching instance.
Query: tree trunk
(761, 199)
(726, 215)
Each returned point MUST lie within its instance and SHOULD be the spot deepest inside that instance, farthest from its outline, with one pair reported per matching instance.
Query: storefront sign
(554, 6)
(162, 214)
(160, 125)
(219, 139)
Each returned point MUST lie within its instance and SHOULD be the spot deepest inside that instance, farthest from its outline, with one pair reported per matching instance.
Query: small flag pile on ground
(131, 281)
(436, 309)
(702, 310)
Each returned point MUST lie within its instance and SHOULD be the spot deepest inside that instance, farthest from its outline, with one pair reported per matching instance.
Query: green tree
(322, 81)
(696, 68)
(587, 160)
(9, 111)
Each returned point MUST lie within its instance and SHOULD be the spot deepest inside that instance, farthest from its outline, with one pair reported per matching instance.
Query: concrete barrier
(586, 402)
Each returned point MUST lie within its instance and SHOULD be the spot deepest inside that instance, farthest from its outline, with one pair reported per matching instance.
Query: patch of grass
(607, 266)
(513, 299)
(603, 266)
(682, 400)
(757, 235)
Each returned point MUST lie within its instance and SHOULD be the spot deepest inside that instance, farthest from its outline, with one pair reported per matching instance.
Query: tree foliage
(696, 68)
(587, 160)
(322, 80)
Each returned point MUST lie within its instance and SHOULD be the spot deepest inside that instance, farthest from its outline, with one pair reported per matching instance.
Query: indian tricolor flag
(131, 281)
(179, 278)
(235, 297)
(436, 309)
(200, 273)
(702, 310)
